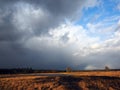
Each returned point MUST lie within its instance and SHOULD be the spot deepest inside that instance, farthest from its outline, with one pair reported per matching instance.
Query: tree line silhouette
(27, 70)
(30, 70)
(16, 71)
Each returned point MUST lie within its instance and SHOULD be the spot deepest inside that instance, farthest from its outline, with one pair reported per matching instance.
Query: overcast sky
(55, 34)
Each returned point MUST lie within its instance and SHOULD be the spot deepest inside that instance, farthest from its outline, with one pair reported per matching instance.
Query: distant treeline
(16, 71)
(30, 70)
(27, 70)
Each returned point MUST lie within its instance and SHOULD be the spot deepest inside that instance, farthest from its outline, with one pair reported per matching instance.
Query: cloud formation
(44, 34)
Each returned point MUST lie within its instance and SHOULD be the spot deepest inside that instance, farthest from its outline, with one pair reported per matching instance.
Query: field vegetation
(89, 80)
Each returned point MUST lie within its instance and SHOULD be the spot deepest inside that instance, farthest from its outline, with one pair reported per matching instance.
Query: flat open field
(93, 80)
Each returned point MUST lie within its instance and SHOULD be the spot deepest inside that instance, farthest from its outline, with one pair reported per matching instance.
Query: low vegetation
(102, 80)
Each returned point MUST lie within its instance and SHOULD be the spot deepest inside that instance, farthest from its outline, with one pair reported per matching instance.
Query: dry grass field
(102, 80)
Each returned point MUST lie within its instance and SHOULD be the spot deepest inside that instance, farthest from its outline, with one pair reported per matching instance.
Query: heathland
(82, 80)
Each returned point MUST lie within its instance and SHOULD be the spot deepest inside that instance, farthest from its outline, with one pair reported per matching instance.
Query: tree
(68, 69)
(107, 68)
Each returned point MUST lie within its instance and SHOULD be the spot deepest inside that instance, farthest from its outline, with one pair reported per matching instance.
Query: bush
(68, 69)
(107, 68)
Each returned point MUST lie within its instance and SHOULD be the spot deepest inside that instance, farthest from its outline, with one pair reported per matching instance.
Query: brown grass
(70, 81)
(96, 73)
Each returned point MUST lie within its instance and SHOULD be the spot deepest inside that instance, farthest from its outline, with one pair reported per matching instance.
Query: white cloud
(90, 67)
(119, 22)
(70, 37)
(75, 38)
(91, 3)
(118, 6)
(104, 28)
(79, 43)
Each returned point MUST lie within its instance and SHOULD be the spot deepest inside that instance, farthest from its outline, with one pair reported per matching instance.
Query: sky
(55, 34)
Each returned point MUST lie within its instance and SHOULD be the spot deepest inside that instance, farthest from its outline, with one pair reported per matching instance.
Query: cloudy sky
(55, 34)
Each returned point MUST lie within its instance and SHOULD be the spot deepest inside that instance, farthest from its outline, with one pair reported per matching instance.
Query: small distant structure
(107, 68)
(68, 69)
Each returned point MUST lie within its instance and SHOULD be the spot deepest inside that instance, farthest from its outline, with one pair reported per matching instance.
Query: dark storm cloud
(12, 51)
(60, 6)
(27, 22)
(58, 10)
(14, 55)
(55, 12)
(8, 32)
